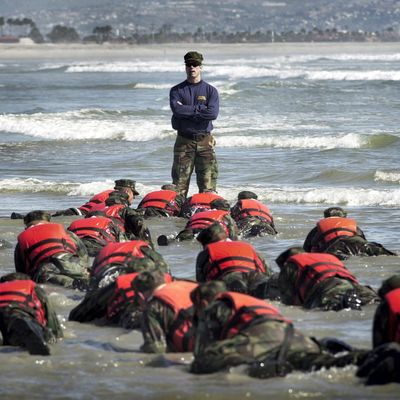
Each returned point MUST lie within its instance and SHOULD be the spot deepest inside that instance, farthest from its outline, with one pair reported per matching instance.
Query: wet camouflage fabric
(257, 342)
(64, 269)
(198, 155)
(331, 294)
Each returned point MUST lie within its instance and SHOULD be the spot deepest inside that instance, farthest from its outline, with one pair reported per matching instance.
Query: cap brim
(135, 192)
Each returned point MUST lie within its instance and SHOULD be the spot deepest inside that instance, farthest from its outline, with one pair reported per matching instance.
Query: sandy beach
(121, 51)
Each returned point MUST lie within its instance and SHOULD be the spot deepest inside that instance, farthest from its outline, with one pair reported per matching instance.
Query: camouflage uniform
(194, 104)
(188, 233)
(65, 269)
(194, 154)
(261, 339)
(17, 333)
(243, 282)
(380, 331)
(333, 293)
(152, 260)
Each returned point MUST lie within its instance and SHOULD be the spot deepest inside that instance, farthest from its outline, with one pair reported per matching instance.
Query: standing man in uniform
(194, 104)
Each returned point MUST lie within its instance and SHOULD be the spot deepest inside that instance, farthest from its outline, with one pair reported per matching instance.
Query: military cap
(169, 186)
(37, 215)
(246, 194)
(211, 234)
(335, 212)
(292, 251)
(126, 183)
(193, 57)
(148, 281)
(220, 204)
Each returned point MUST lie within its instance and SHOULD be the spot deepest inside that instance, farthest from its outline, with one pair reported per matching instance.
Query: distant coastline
(121, 51)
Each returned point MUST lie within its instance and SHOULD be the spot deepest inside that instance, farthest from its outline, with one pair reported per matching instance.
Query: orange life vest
(22, 292)
(124, 294)
(176, 295)
(245, 309)
(99, 198)
(314, 268)
(98, 228)
(334, 227)
(203, 219)
(39, 242)
(117, 253)
(227, 257)
(254, 208)
(161, 199)
(202, 201)
(393, 302)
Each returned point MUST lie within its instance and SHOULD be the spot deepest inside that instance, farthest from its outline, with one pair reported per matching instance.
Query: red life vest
(245, 309)
(202, 201)
(98, 228)
(393, 301)
(227, 257)
(22, 292)
(117, 253)
(124, 294)
(314, 268)
(254, 208)
(334, 227)
(99, 198)
(161, 199)
(112, 212)
(204, 219)
(176, 295)
(40, 242)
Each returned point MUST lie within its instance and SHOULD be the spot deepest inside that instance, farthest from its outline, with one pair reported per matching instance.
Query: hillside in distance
(144, 16)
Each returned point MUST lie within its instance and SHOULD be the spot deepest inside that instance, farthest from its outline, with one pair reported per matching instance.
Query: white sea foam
(287, 72)
(310, 195)
(33, 185)
(161, 86)
(384, 176)
(127, 66)
(85, 124)
(349, 141)
(351, 196)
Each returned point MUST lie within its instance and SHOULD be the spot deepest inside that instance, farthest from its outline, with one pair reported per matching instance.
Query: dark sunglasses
(192, 64)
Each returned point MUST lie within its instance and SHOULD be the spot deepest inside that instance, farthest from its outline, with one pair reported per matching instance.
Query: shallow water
(305, 127)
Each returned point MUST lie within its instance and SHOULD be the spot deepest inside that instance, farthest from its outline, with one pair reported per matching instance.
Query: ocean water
(304, 126)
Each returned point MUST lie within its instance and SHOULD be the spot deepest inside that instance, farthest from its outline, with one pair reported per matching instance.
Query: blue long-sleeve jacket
(200, 105)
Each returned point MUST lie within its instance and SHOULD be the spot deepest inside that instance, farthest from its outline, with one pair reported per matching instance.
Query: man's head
(220, 204)
(193, 63)
(206, 293)
(169, 186)
(246, 194)
(15, 276)
(118, 197)
(291, 251)
(388, 285)
(36, 216)
(211, 234)
(335, 212)
(127, 186)
(147, 281)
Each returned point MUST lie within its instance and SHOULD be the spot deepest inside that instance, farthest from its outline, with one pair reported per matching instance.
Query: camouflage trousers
(251, 345)
(63, 269)
(194, 155)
